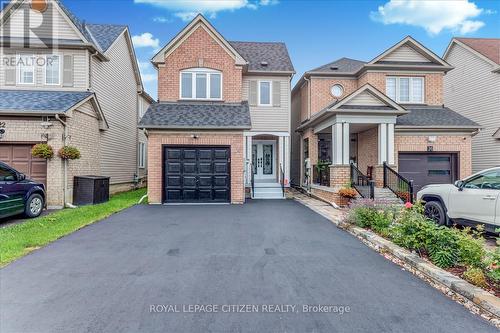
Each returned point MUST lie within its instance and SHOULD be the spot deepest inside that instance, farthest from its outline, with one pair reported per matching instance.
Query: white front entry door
(264, 160)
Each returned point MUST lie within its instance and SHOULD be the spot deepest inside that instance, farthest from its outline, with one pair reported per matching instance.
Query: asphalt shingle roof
(274, 54)
(433, 116)
(489, 47)
(342, 65)
(40, 101)
(200, 115)
(105, 34)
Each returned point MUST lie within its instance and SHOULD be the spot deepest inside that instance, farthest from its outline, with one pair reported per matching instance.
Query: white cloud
(161, 19)
(434, 16)
(147, 71)
(188, 9)
(146, 40)
(148, 77)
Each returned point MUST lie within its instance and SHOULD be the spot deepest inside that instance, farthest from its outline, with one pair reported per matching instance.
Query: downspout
(65, 188)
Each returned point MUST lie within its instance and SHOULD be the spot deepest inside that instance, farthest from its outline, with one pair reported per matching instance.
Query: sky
(315, 32)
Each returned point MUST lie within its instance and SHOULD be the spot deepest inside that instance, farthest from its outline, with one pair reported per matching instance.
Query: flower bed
(460, 251)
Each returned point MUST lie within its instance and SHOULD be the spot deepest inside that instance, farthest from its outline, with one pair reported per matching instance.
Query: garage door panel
(428, 168)
(21, 166)
(21, 153)
(203, 173)
(18, 156)
(5, 152)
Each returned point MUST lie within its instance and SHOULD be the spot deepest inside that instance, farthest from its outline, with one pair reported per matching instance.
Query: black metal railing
(321, 175)
(361, 183)
(399, 185)
(282, 180)
(252, 179)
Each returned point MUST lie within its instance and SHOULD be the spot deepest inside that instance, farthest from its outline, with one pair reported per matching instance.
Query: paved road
(105, 277)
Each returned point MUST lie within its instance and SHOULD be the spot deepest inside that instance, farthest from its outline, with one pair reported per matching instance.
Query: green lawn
(18, 240)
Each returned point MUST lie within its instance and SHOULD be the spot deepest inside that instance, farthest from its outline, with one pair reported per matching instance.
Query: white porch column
(248, 159)
(345, 144)
(281, 152)
(382, 143)
(337, 137)
(287, 159)
(390, 144)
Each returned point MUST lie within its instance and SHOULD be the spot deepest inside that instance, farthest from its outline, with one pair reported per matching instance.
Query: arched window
(201, 83)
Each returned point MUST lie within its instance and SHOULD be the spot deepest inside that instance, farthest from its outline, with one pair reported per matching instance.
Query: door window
(7, 175)
(268, 159)
(489, 180)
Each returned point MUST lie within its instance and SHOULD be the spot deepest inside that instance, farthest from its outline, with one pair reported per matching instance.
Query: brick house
(477, 72)
(221, 126)
(68, 83)
(357, 121)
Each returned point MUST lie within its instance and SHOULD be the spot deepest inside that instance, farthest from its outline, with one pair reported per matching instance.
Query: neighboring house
(222, 121)
(473, 90)
(66, 82)
(388, 110)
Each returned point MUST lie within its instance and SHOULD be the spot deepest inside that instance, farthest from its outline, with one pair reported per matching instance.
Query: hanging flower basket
(69, 153)
(42, 150)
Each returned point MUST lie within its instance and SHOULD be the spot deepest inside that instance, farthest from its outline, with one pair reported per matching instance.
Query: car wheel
(34, 205)
(434, 211)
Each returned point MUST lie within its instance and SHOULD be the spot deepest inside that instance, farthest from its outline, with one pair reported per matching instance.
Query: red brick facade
(199, 50)
(157, 139)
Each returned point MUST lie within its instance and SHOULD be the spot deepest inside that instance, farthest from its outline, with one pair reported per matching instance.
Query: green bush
(476, 277)
(42, 150)
(492, 262)
(69, 153)
(471, 248)
(442, 246)
(412, 230)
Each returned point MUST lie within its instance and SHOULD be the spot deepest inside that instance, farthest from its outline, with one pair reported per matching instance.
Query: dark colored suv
(19, 195)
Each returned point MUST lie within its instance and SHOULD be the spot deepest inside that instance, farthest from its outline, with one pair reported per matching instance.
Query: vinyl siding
(143, 105)
(472, 90)
(80, 70)
(405, 53)
(270, 118)
(295, 138)
(59, 29)
(116, 89)
(365, 98)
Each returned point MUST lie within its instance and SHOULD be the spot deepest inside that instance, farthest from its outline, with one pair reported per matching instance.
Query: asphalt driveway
(106, 277)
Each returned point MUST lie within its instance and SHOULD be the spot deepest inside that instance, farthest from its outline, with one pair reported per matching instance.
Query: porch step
(268, 191)
(386, 195)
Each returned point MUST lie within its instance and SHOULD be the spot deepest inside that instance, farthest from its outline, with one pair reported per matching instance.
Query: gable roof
(273, 54)
(488, 47)
(198, 21)
(105, 34)
(435, 116)
(197, 115)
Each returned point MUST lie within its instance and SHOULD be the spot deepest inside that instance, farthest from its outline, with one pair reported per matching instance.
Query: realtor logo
(39, 5)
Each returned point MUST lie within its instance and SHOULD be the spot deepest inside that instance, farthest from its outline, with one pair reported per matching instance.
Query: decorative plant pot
(42, 150)
(69, 153)
(343, 201)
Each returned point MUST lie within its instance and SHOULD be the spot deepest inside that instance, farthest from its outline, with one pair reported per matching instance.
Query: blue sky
(316, 32)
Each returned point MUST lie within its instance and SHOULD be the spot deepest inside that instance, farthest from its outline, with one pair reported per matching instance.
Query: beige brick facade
(157, 139)
(367, 149)
(320, 91)
(199, 50)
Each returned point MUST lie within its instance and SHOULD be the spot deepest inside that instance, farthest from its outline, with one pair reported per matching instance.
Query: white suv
(475, 200)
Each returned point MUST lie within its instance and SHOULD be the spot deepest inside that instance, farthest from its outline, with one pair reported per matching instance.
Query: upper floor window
(405, 89)
(201, 83)
(26, 69)
(142, 155)
(52, 70)
(265, 93)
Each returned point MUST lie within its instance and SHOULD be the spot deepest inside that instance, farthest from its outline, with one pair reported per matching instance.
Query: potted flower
(69, 153)
(42, 150)
(347, 193)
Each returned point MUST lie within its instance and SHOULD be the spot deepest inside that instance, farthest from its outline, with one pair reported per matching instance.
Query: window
(7, 175)
(201, 83)
(265, 93)
(405, 89)
(26, 69)
(52, 70)
(489, 180)
(337, 90)
(142, 155)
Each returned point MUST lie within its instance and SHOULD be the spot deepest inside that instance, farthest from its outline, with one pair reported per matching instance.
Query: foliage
(348, 193)
(20, 239)
(471, 247)
(322, 165)
(42, 150)
(69, 153)
(442, 246)
(492, 262)
(475, 276)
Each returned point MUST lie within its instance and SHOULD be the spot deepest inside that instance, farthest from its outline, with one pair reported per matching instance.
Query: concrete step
(258, 195)
(267, 185)
(270, 192)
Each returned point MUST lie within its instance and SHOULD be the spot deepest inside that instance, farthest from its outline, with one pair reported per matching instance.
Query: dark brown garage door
(428, 168)
(197, 174)
(19, 157)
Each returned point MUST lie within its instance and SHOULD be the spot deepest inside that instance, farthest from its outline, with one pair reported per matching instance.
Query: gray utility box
(90, 190)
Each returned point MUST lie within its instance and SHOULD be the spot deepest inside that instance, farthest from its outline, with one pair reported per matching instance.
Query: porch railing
(361, 183)
(399, 185)
(252, 179)
(321, 176)
(282, 180)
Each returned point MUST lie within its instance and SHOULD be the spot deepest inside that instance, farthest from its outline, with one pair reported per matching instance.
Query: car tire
(34, 205)
(435, 211)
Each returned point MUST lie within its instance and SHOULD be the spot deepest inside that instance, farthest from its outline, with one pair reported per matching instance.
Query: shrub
(42, 150)
(492, 262)
(348, 193)
(69, 153)
(476, 277)
(471, 248)
(442, 246)
(376, 215)
(412, 230)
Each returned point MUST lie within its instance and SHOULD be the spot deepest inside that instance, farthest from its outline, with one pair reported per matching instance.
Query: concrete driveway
(106, 277)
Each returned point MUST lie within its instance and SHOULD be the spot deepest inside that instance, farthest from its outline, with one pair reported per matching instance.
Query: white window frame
(411, 78)
(270, 93)
(207, 72)
(18, 69)
(45, 69)
(142, 155)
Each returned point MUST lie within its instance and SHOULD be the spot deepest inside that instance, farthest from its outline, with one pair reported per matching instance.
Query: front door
(264, 160)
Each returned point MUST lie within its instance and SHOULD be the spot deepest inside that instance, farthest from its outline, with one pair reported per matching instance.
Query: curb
(481, 298)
